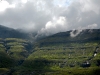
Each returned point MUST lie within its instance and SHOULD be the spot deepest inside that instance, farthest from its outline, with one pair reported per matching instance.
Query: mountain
(64, 53)
(61, 37)
(70, 52)
(6, 32)
(86, 35)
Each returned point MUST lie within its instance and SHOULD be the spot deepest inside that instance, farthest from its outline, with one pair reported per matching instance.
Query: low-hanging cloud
(74, 33)
(51, 16)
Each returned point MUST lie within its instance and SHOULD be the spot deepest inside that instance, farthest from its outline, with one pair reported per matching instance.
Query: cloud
(4, 5)
(58, 24)
(51, 16)
(74, 33)
(25, 16)
(92, 26)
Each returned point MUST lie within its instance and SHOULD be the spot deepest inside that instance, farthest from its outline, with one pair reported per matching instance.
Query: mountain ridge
(87, 35)
(6, 32)
(62, 51)
(71, 36)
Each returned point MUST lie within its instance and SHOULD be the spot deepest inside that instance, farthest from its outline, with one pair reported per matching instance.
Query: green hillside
(61, 52)
(13, 52)
(58, 54)
(87, 35)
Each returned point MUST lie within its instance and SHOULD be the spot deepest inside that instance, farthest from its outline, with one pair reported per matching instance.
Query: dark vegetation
(58, 54)
(6, 32)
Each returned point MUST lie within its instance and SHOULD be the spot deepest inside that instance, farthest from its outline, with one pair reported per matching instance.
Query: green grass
(53, 59)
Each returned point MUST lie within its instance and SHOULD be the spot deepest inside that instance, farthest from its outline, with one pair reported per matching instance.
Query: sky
(50, 16)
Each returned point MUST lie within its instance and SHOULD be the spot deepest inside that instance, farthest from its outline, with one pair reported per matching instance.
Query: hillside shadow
(36, 66)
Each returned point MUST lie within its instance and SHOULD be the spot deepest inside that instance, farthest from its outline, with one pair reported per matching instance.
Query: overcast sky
(50, 16)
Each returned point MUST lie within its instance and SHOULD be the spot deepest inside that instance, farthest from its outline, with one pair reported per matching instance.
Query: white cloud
(74, 32)
(50, 16)
(92, 26)
(4, 5)
(24, 1)
(89, 5)
(56, 25)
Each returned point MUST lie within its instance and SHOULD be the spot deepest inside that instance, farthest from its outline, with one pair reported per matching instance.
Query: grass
(56, 59)
(64, 71)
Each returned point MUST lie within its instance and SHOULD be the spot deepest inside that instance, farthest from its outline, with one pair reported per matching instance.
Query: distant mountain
(6, 32)
(73, 36)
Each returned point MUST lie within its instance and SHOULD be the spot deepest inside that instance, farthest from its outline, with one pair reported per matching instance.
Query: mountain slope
(86, 35)
(59, 52)
(6, 32)
(62, 51)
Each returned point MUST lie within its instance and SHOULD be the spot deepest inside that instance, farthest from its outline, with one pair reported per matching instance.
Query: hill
(75, 52)
(86, 35)
(6, 32)
(66, 51)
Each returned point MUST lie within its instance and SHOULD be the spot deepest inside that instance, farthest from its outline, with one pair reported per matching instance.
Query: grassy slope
(56, 55)
(13, 52)
(62, 52)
